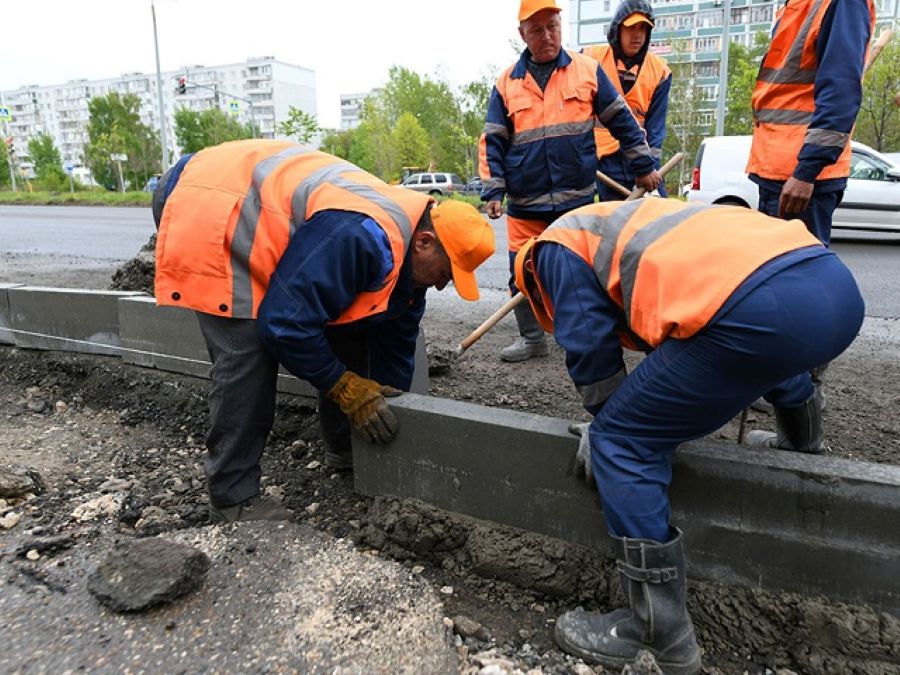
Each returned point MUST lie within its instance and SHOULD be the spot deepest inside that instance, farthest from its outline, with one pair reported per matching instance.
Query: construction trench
(794, 560)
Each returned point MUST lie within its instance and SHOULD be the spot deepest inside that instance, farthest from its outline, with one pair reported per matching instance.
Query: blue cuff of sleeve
(329, 380)
(808, 171)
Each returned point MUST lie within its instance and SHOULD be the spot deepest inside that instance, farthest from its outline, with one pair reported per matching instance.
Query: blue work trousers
(766, 343)
(818, 213)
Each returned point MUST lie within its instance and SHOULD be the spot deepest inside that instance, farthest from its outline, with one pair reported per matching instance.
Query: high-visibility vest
(670, 265)
(651, 74)
(235, 207)
(548, 159)
(783, 100)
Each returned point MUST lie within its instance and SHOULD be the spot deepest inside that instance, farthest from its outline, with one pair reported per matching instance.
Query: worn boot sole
(617, 663)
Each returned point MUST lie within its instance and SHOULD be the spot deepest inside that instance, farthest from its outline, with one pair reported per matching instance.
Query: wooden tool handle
(615, 185)
(489, 323)
(879, 45)
(637, 193)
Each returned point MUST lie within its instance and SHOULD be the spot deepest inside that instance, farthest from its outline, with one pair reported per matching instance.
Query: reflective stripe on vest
(792, 72)
(245, 232)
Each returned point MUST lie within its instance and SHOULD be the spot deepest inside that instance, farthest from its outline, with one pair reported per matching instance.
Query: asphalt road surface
(69, 238)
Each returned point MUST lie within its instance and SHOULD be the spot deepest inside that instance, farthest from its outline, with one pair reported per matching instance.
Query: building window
(593, 9)
(591, 33)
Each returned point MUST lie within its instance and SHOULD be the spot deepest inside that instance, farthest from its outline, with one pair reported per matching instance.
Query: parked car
(438, 183)
(473, 187)
(871, 200)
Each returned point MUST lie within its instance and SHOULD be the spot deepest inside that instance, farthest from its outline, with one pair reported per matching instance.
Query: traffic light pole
(159, 93)
(215, 90)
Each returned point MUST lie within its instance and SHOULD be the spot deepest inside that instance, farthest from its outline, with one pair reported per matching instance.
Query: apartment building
(351, 108)
(691, 30)
(61, 110)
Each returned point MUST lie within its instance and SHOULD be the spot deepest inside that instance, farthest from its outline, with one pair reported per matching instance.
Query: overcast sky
(349, 43)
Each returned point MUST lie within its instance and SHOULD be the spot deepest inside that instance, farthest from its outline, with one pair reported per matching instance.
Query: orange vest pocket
(200, 244)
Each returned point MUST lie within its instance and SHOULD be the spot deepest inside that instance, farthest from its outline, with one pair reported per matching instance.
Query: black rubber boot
(653, 579)
(798, 429)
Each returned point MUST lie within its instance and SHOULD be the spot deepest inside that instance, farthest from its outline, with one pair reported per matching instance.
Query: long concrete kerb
(773, 520)
(66, 319)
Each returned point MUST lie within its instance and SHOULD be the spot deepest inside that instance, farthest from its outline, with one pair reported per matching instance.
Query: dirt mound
(138, 273)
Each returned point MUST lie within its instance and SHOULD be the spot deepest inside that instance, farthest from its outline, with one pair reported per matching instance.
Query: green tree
(878, 123)
(432, 103)
(4, 166)
(47, 162)
(472, 101)
(410, 141)
(115, 127)
(743, 67)
(685, 125)
(337, 142)
(299, 125)
(198, 129)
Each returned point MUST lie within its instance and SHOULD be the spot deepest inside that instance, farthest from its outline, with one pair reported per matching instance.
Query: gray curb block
(129, 325)
(770, 520)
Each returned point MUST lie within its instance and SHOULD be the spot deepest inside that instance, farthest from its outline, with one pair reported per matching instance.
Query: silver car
(438, 183)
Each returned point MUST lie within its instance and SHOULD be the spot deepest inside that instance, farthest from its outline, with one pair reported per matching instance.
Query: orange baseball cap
(636, 18)
(467, 238)
(529, 8)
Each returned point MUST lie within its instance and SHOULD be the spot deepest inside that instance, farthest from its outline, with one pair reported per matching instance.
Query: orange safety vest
(651, 74)
(565, 108)
(783, 100)
(670, 265)
(235, 207)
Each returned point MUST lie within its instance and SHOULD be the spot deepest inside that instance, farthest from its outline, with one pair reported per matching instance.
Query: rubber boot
(818, 378)
(532, 340)
(653, 579)
(798, 429)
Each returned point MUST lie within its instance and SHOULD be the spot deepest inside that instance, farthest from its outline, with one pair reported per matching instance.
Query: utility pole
(159, 94)
(723, 68)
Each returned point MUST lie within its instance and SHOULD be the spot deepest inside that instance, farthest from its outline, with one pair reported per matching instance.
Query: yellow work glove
(362, 400)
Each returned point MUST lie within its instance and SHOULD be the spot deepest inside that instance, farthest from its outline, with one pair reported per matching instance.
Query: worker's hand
(362, 400)
(583, 455)
(795, 196)
(649, 182)
(494, 209)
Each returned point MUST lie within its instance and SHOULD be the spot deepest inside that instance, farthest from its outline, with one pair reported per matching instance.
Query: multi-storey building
(351, 108)
(62, 110)
(691, 30)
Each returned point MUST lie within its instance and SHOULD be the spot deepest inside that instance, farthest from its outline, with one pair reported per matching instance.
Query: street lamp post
(159, 93)
(723, 68)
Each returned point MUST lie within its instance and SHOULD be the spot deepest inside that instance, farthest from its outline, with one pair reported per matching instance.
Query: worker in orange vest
(807, 95)
(643, 79)
(538, 148)
(729, 304)
(302, 259)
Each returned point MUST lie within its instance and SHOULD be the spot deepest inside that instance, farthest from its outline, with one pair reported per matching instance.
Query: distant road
(81, 246)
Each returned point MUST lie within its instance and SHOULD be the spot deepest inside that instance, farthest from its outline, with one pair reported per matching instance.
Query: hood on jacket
(625, 9)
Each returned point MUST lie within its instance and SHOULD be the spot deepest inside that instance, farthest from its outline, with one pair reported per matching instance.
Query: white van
(871, 200)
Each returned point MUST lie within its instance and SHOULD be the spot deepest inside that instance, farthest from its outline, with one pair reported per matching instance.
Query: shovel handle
(614, 184)
(639, 192)
(489, 323)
